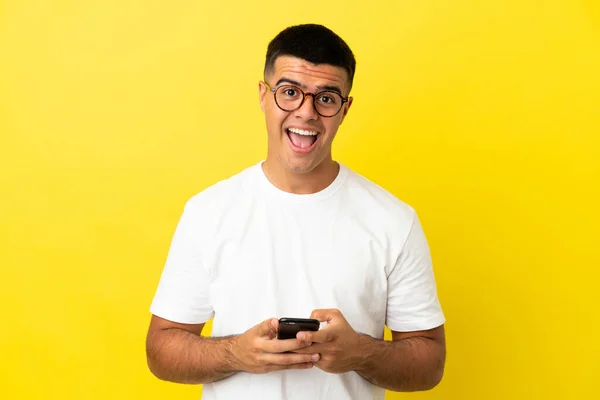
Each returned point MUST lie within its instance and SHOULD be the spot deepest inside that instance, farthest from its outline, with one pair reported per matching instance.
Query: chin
(301, 166)
(300, 169)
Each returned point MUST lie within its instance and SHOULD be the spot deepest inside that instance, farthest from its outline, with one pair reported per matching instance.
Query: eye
(328, 99)
(289, 91)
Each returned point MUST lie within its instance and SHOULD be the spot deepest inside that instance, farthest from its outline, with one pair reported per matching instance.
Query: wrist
(364, 352)
(232, 354)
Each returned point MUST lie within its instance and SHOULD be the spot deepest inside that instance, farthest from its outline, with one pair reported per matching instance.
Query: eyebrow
(324, 87)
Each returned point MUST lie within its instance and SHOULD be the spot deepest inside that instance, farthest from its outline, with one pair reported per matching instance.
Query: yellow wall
(484, 115)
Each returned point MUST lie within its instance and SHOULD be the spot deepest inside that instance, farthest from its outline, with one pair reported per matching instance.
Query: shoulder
(378, 201)
(223, 192)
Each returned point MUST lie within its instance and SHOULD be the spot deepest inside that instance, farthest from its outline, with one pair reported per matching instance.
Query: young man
(299, 235)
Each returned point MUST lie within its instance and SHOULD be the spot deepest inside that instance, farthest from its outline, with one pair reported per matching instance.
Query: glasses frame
(304, 94)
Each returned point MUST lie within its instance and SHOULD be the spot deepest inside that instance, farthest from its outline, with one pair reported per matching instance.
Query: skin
(289, 171)
(177, 353)
(412, 361)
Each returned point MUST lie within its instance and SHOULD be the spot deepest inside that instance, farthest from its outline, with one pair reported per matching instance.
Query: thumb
(323, 315)
(267, 328)
(326, 315)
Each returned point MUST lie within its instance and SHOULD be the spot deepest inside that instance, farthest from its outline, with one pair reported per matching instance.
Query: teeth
(303, 132)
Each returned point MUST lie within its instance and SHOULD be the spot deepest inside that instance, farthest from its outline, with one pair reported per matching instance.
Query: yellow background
(483, 115)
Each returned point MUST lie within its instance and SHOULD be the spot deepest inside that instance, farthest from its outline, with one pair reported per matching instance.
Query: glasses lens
(289, 97)
(328, 103)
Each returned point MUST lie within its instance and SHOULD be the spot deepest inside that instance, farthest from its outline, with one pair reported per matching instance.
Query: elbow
(427, 382)
(435, 372)
(433, 379)
(153, 366)
(157, 369)
(153, 358)
(434, 375)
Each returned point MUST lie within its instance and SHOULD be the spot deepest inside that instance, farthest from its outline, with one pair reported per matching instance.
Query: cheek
(274, 121)
(332, 126)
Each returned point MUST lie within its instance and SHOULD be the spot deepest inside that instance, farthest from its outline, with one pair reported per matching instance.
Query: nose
(307, 109)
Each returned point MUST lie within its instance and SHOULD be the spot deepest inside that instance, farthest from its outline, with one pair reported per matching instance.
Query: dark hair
(313, 43)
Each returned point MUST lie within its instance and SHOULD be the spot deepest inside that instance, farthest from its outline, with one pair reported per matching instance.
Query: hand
(257, 351)
(337, 343)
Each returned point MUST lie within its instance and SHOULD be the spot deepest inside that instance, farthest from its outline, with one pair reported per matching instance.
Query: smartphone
(289, 327)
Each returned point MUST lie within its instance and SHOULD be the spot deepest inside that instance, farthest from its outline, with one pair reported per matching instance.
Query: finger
(289, 358)
(300, 366)
(316, 348)
(272, 335)
(267, 327)
(274, 367)
(322, 336)
(282, 346)
(325, 315)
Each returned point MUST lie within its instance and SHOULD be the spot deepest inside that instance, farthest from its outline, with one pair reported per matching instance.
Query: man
(299, 235)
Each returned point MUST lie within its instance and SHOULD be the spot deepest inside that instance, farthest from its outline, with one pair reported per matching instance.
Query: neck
(301, 183)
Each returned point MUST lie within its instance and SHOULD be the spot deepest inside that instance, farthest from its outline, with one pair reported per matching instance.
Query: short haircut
(313, 43)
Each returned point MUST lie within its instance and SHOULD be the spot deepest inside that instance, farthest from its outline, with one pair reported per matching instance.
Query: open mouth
(302, 139)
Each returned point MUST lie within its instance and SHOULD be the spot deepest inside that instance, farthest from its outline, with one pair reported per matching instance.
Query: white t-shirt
(245, 251)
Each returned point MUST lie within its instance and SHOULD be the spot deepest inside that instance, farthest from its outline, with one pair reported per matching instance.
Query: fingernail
(307, 343)
(315, 357)
(301, 336)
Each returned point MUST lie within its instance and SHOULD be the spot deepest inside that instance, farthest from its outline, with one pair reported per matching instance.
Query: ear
(346, 108)
(262, 91)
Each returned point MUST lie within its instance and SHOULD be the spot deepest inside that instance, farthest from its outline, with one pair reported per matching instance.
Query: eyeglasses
(290, 98)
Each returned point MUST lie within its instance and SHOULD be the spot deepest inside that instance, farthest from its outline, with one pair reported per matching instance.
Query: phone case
(289, 327)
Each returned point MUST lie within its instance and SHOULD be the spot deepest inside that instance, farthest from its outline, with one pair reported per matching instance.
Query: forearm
(180, 356)
(411, 364)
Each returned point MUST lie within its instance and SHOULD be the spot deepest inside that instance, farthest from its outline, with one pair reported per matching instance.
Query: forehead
(308, 74)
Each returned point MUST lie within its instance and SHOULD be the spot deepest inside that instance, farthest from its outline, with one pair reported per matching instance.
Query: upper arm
(157, 337)
(436, 334)
(412, 303)
(183, 292)
(436, 350)
(159, 324)
(431, 351)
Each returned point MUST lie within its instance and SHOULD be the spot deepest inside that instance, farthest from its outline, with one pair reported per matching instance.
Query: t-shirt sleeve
(183, 290)
(413, 302)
